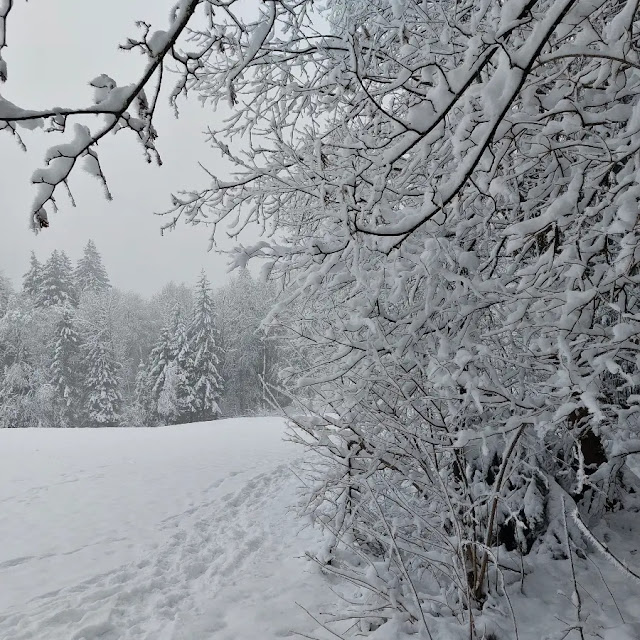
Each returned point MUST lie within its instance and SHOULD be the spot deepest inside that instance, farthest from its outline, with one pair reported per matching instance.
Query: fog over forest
(76, 352)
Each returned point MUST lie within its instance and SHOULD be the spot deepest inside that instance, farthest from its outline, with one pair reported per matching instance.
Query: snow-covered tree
(143, 408)
(32, 279)
(14, 334)
(159, 361)
(65, 369)
(19, 380)
(90, 274)
(182, 369)
(102, 385)
(56, 285)
(169, 372)
(168, 404)
(450, 189)
(6, 291)
(248, 357)
(204, 378)
(172, 296)
(16, 396)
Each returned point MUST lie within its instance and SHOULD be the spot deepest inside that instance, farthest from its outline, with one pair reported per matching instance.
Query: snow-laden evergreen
(160, 360)
(180, 372)
(101, 381)
(65, 369)
(170, 367)
(50, 341)
(33, 277)
(143, 410)
(204, 376)
(168, 404)
(6, 292)
(56, 285)
(90, 274)
(17, 392)
(248, 355)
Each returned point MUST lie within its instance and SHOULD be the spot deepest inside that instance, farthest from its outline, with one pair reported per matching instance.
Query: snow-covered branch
(111, 101)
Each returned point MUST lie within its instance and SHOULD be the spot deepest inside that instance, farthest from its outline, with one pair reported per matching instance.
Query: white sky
(55, 48)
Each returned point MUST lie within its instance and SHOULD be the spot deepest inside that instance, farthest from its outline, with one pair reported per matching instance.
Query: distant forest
(77, 352)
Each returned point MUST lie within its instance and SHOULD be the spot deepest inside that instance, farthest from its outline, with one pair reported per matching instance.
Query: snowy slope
(184, 532)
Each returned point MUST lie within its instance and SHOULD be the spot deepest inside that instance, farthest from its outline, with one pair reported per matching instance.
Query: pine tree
(205, 380)
(102, 382)
(31, 280)
(170, 366)
(5, 294)
(90, 274)
(56, 286)
(168, 405)
(245, 354)
(17, 387)
(16, 396)
(159, 361)
(144, 410)
(64, 369)
(182, 369)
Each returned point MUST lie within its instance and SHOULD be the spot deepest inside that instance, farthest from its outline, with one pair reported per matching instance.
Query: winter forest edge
(75, 352)
(448, 194)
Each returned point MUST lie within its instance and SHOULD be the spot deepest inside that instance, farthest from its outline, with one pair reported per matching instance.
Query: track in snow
(227, 567)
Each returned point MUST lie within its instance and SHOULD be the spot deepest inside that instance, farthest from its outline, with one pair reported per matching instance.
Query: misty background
(45, 71)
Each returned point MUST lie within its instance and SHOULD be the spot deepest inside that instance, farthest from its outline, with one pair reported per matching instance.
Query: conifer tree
(102, 382)
(32, 279)
(17, 386)
(56, 286)
(64, 369)
(244, 304)
(183, 369)
(144, 410)
(90, 274)
(205, 380)
(170, 366)
(16, 396)
(159, 361)
(5, 294)
(168, 405)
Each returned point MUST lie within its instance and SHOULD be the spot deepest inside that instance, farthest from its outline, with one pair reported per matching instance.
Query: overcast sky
(55, 48)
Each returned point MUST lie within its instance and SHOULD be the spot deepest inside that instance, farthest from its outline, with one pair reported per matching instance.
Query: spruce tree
(64, 369)
(205, 380)
(168, 408)
(56, 286)
(17, 390)
(170, 366)
(5, 294)
(144, 405)
(31, 280)
(17, 380)
(182, 369)
(90, 274)
(159, 361)
(102, 382)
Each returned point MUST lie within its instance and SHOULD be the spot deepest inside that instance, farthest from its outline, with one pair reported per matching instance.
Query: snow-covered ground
(179, 533)
(189, 533)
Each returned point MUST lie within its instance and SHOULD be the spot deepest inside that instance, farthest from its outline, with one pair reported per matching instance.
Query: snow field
(179, 533)
(189, 533)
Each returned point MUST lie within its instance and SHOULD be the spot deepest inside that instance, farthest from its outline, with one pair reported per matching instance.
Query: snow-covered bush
(451, 189)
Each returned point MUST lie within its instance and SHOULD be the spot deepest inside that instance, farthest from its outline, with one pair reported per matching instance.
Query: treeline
(75, 351)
